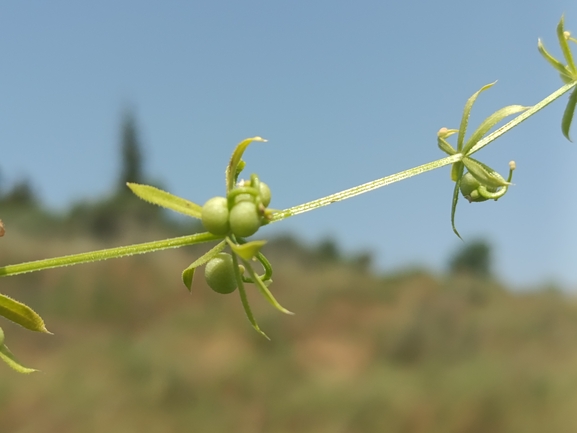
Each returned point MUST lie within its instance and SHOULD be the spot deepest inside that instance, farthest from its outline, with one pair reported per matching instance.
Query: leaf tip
(187, 276)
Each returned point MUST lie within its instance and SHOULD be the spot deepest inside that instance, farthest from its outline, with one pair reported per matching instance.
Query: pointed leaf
(247, 251)
(445, 146)
(8, 358)
(454, 207)
(188, 273)
(484, 174)
(467, 113)
(244, 299)
(231, 171)
(457, 171)
(552, 60)
(489, 122)
(188, 276)
(264, 289)
(568, 115)
(565, 46)
(21, 314)
(165, 199)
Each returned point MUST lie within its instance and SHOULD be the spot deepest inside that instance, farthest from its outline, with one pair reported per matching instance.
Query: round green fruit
(265, 194)
(215, 215)
(219, 274)
(244, 219)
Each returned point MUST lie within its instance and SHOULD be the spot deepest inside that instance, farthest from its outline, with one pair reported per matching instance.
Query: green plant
(219, 274)
(229, 220)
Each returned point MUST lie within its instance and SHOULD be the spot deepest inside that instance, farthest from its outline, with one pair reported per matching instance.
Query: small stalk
(110, 253)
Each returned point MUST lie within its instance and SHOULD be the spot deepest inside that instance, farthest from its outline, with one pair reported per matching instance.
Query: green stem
(369, 186)
(147, 247)
(366, 187)
(110, 253)
(521, 117)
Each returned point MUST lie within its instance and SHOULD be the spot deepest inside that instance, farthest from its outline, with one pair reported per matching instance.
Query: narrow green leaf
(455, 201)
(244, 299)
(467, 113)
(484, 174)
(231, 170)
(552, 60)
(247, 251)
(568, 115)
(491, 121)
(457, 171)
(264, 289)
(188, 273)
(165, 199)
(565, 46)
(445, 146)
(8, 358)
(1, 336)
(21, 314)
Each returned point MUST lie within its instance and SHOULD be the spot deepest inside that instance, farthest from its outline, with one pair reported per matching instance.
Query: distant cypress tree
(131, 170)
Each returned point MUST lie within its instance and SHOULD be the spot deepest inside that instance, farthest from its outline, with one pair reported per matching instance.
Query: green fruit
(214, 216)
(265, 194)
(468, 185)
(219, 274)
(243, 197)
(244, 219)
(470, 188)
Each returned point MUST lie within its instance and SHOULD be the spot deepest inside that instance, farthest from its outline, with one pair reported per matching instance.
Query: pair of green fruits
(240, 214)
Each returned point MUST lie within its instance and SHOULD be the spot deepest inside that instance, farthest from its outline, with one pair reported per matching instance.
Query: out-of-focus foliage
(473, 258)
(133, 351)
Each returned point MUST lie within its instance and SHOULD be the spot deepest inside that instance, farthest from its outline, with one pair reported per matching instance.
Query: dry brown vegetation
(133, 351)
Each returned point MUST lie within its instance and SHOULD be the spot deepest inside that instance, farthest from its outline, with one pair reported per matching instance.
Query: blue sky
(345, 92)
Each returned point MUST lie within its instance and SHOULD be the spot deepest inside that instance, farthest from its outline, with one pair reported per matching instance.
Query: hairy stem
(147, 247)
(109, 253)
(522, 117)
(365, 187)
(369, 186)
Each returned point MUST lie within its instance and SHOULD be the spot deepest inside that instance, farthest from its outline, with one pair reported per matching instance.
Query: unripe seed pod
(244, 219)
(219, 274)
(215, 215)
(265, 194)
(469, 188)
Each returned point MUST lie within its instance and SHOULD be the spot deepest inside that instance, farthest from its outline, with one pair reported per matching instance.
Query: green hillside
(133, 351)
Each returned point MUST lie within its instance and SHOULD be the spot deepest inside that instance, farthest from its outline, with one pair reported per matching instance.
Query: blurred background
(399, 325)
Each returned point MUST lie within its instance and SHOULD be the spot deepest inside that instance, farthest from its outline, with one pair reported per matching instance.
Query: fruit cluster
(241, 213)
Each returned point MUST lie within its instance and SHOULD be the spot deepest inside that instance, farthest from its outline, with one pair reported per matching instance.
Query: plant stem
(147, 247)
(109, 253)
(365, 187)
(369, 186)
(522, 117)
